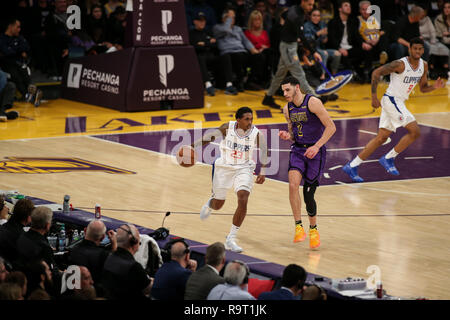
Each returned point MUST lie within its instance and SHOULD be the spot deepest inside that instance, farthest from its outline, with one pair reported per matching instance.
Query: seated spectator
(407, 28)
(260, 62)
(4, 210)
(39, 277)
(326, 9)
(292, 283)
(86, 291)
(207, 277)
(242, 9)
(10, 291)
(38, 40)
(171, 277)
(33, 245)
(343, 36)
(274, 10)
(314, 292)
(96, 28)
(232, 41)
(59, 38)
(236, 283)
(88, 252)
(14, 55)
(439, 53)
(266, 18)
(7, 94)
(194, 7)
(442, 25)
(112, 5)
(3, 271)
(115, 34)
(316, 30)
(375, 42)
(123, 277)
(19, 278)
(11, 231)
(39, 294)
(205, 47)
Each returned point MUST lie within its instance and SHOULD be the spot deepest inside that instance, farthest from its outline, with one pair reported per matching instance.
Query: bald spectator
(207, 277)
(123, 277)
(171, 277)
(236, 287)
(11, 230)
(86, 290)
(33, 245)
(89, 253)
(314, 292)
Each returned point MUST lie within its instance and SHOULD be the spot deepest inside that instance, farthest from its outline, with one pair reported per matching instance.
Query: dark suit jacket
(336, 32)
(201, 282)
(280, 294)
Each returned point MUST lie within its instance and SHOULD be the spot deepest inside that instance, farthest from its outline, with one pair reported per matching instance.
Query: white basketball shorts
(394, 113)
(226, 177)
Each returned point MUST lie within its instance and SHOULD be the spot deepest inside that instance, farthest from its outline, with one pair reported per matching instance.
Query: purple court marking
(75, 124)
(433, 142)
(159, 120)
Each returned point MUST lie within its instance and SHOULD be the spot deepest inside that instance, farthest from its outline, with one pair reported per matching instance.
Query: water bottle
(75, 236)
(66, 205)
(82, 234)
(62, 239)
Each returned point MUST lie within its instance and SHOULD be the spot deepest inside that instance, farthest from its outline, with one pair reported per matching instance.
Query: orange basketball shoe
(314, 238)
(300, 234)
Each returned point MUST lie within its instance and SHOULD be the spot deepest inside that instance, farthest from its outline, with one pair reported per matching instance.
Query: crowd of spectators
(238, 42)
(31, 268)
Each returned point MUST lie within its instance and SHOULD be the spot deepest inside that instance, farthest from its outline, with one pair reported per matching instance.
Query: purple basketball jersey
(306, 126)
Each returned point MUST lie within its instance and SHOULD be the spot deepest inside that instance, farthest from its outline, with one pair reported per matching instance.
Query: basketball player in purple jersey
(310, 127)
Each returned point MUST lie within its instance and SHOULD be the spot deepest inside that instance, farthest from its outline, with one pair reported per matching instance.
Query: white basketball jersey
(402, 84)
(237, 150)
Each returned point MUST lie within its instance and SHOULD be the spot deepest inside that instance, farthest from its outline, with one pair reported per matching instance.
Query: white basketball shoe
(206, 211)
(230, 244)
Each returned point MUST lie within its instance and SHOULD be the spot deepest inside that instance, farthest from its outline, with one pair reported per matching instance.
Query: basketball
(186, 156)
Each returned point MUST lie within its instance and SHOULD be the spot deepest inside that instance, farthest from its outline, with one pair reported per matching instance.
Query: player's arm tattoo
(389, 68)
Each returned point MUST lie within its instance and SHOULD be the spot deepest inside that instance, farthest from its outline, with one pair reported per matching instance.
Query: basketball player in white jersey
(235, 167)
(405, 74)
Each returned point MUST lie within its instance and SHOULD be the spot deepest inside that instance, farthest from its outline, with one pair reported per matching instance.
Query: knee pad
(308, 196)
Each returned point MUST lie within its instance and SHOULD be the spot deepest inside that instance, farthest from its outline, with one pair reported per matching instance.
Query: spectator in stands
(171, 277)
(375, 42)
(207, 277)
(33, 245)
(89, 253)
(242, 9)
(10, 291)
(90, 6)
(123, 277)
(236, 283)
(232, 41)
(266, 20)
(194, 7)
(112, 5)
(19, 278)
(39, 277)
(39, 294)
(86, 291)
(3, 271)
(274, 10)
(116, 28)
(326, 9)
(4, 210)
(442, 25)
(316, 29)
(7, 95)
(38, 40)
(14, 55)
(206, 47)
(439, 53)
(343, 36)
(59, 38)
(97, 28)
(314, 292)
(11, 231)
(260, 62)
(406, 28)
(290, 35)
(292, 283)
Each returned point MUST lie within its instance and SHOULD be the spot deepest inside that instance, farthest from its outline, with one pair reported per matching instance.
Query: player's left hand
(439, 83)
(311, 152)
(260, 179)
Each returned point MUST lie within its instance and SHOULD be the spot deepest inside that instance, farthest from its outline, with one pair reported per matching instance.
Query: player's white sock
(229, 84)
(391, 154)
(208, 84)
(356, 162)
(233, 232)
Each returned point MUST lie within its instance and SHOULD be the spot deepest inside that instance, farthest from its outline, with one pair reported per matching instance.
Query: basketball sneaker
(388, 164)
(314, 238)
(352, 172)
(300, 234)
(206, 211)
(230, 244)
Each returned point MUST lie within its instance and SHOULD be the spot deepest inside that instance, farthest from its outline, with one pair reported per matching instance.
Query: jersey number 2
(410, 88)
(237, 154)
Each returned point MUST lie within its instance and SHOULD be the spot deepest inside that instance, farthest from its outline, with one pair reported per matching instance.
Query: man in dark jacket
(292, 283)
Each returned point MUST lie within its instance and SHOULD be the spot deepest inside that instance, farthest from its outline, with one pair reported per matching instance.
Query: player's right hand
(284, 135)
(375, 103)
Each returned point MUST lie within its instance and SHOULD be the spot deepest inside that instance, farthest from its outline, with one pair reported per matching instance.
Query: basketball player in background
(235, 167)
(310, 127)
(404, 73)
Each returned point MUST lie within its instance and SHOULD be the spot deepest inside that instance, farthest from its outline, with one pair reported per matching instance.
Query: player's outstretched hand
(284, 135)
(439, 83)
(260, 179)
(311, 152)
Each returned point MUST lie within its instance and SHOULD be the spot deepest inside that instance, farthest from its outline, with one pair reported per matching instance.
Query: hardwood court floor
(399, 225)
